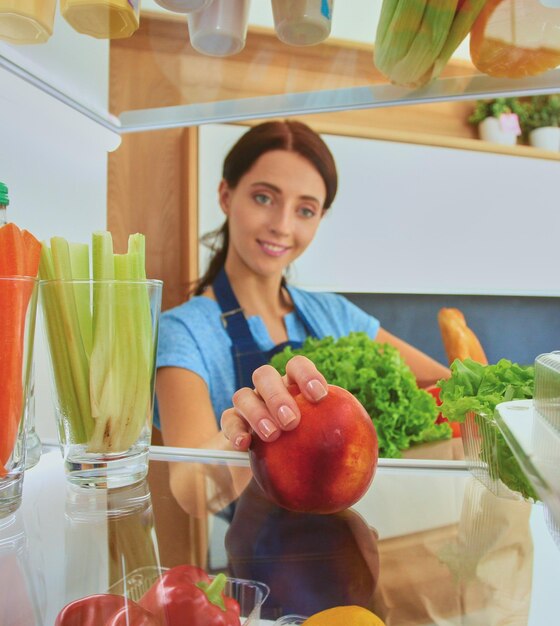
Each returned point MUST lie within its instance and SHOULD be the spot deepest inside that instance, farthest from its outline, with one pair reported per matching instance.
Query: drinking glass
(102, 339)
(18, 306)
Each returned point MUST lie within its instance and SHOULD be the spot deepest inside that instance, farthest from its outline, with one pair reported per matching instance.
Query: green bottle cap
(4, 199)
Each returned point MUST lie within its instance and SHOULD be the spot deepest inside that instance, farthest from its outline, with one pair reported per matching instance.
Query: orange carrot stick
(19, 254)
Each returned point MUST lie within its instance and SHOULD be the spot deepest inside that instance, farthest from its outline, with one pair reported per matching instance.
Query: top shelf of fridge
(277, 79)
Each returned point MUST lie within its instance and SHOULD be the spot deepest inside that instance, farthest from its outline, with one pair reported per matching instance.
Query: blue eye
(262, 198)
(307, 212)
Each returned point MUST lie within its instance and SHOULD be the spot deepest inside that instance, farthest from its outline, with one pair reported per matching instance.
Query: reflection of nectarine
(324, 465)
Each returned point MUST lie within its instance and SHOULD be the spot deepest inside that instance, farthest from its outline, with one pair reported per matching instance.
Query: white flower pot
(491, 130)
(546, 138)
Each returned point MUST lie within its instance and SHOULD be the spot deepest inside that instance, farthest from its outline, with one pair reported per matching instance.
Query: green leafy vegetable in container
(377, 375)
(476, 388)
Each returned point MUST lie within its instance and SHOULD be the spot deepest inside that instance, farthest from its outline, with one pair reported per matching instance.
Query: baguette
(459, 340)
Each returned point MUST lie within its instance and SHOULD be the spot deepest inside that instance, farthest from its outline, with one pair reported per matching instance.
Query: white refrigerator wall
(53, 159)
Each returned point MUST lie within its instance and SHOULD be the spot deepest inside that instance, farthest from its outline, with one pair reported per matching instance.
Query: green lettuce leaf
(476, 388)
(377, 375)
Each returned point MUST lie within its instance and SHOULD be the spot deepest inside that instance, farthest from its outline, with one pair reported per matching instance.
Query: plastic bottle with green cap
(4, 201)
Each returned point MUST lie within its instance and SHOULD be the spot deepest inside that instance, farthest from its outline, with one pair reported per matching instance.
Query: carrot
(19, 256)
(32, 254)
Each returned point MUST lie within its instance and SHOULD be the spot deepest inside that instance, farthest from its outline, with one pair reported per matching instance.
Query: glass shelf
(421, 547)
(277, 79)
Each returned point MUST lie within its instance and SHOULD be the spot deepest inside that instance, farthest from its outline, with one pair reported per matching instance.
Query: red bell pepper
(187, 595)
(93, 610)
(455, 426)
(132, 615)
(105, 609)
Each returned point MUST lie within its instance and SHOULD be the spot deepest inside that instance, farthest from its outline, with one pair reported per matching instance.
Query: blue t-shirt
(193, 337)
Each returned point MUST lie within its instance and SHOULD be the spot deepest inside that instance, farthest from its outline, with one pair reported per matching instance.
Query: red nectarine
(324, 465)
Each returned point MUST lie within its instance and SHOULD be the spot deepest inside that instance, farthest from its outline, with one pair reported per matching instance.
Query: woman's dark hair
(288, 135)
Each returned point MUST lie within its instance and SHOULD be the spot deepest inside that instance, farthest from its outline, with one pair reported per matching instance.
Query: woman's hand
(269, 408)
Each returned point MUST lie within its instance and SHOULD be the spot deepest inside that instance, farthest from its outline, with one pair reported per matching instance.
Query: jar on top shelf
(26, 21)
(102, 19)
(302, 22)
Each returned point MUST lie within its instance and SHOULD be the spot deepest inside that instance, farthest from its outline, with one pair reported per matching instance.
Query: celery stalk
(102, 384)
(79, 261)
(102, 354)
(69, 316)
(136, 318)
(58, 349)
(70, 362)
(122, 348)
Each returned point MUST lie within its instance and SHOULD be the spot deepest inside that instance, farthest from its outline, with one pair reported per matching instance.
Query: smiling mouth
(272, 249)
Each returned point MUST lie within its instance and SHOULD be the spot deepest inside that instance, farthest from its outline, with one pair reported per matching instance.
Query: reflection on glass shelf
(19, 600)
(121, 517)
(422, 547)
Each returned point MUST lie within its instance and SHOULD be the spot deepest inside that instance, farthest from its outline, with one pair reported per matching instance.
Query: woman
(278, 181)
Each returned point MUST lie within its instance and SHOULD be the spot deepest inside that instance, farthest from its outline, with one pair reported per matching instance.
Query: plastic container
(221, 28)
(249, 593)
(183, 6)
(290, 620)
(102, 19)
(536, 445)
(26, 21)
(547, 387)
(481, 442)
(302, 22)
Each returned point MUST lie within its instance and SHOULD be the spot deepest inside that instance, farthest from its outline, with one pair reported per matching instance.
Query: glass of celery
(18, 305)
(102, 338)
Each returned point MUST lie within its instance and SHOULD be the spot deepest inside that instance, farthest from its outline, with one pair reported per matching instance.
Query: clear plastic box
(249, 593)
(536, 445)
(481, 441)
(290, 620)
(547, 387)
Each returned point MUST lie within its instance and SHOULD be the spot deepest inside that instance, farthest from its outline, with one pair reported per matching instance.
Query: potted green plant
(490, 117)
(542, 122)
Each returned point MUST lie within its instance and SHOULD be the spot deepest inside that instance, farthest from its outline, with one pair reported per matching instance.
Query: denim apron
(246, 354)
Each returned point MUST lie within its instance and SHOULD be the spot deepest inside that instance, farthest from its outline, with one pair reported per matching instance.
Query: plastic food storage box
(290, 620)
(532, 429)
(547, 388)
(249, 593)
(481, 442)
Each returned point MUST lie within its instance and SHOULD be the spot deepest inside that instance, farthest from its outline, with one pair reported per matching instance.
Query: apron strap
(232, 316)
(234, 320)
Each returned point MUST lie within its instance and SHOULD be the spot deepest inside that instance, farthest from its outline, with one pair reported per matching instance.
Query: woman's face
(274, 211)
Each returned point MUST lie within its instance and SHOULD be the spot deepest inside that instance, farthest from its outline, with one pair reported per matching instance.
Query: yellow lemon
(344, 616)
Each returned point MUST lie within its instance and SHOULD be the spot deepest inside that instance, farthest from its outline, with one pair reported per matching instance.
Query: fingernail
(266, 428)
(316, 390)
(286, 415)
(239, 441)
